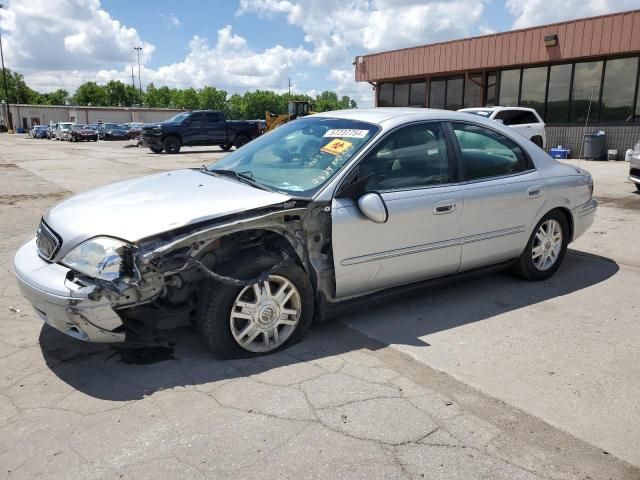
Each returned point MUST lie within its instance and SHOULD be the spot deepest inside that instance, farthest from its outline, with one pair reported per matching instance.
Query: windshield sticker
(346, 133)
(336, 147)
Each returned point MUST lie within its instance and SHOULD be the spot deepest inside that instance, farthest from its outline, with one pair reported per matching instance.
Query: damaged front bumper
(62, 303)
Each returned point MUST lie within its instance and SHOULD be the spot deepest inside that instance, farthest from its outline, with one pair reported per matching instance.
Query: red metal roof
(610, 34)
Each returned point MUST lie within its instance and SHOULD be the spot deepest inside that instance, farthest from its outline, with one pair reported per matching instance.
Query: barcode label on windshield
(346, 133)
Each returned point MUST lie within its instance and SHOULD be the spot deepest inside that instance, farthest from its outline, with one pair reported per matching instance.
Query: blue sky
(240, 45)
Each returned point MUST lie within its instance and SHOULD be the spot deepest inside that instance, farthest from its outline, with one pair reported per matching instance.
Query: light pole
(138, 49)
(6, 87)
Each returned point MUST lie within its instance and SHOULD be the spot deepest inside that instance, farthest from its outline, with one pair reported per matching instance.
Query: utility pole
(138, 49)
(133, 83)
(289, 86)
(6, 87)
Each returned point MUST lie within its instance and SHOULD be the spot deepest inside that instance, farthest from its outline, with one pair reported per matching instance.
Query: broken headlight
(100, 257)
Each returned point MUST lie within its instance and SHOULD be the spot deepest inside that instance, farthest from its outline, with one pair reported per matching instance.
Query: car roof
(496, 108)
(381, 115)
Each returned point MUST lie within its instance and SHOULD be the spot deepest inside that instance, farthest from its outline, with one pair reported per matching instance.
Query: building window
(534, 85)
(586, 91)
(385, 96)
(618, 89)
(509, 87)
(455, 90)
(491, 97)
(558, 97)
(436, 93)
(418, 95)
(473, 90)
(401, 95)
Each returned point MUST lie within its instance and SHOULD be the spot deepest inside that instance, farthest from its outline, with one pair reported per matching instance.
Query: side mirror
(372, 206)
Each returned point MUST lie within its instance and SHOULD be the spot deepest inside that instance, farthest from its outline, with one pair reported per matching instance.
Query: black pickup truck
(200, 127)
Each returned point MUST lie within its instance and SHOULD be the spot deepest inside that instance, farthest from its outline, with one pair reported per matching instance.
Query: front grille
(47, 241)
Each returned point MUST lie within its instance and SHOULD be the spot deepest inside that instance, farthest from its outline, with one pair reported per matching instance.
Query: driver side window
(412, 157)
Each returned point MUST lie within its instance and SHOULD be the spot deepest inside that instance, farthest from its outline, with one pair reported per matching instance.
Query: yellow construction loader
(296, 109)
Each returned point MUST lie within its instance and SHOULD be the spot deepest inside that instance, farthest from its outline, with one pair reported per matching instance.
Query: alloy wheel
(547, 245)
(264, 315)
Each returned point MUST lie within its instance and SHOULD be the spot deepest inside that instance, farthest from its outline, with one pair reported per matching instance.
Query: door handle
(446, 206)
(534, 192)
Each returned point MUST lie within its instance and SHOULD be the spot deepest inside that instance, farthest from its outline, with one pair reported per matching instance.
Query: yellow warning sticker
(336, 147)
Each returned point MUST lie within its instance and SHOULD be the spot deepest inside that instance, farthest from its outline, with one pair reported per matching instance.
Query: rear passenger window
(213, 117)
(486, 153)
(412, 157)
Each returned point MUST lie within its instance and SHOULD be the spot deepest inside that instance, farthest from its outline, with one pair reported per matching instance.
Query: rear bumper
(583, 217)
(62, 304)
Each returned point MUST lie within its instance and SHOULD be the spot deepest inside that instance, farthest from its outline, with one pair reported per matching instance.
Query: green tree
(57, 97)
(18, 90)
(210, 98)
(91, 93)
(120, 94)
(234, 107)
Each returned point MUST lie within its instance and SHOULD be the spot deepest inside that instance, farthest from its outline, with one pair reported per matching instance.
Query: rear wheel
(171, 145)
(546, 248)
(256, 319)
(156, 149)
(226, 147)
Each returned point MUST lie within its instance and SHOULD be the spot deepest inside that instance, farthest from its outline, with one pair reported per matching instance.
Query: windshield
(111, 125)
(178, 118)
(301, 156)
(65, 125)
(79, 127)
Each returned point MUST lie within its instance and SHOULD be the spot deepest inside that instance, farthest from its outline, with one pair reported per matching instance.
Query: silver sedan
(326, 209)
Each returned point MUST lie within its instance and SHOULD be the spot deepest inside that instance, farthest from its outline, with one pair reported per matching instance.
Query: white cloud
(171, 20)
(66, 34)
(539, 12)
(333, 26)
(346, 85)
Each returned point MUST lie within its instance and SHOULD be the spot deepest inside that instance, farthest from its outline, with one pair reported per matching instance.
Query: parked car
(98, 128)
(201, 127)
(51, 130)
(525, 121)
(3, 128)
(279, 232)
(135, 129)
(39, 131)
(634, 169)
(61, 130)
(114, 131)
(81, 133)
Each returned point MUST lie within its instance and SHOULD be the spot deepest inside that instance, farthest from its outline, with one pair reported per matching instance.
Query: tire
(226, 147)
(537, 140)
(638, 187)
(547, 260)
(241, 140)
(219, 330)
(171, 145)
(156, 149)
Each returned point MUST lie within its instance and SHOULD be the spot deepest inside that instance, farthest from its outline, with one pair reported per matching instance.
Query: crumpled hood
(146, 206)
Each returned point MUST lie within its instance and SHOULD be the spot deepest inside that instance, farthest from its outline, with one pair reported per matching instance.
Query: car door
(215, 128)
(411, 171)
(193, 132)
(502, 194)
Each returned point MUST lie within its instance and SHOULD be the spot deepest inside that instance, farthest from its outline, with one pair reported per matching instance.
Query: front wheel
(226, 147)
(171, 145)
(251, 320)
(156, 149)
(546, 248)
